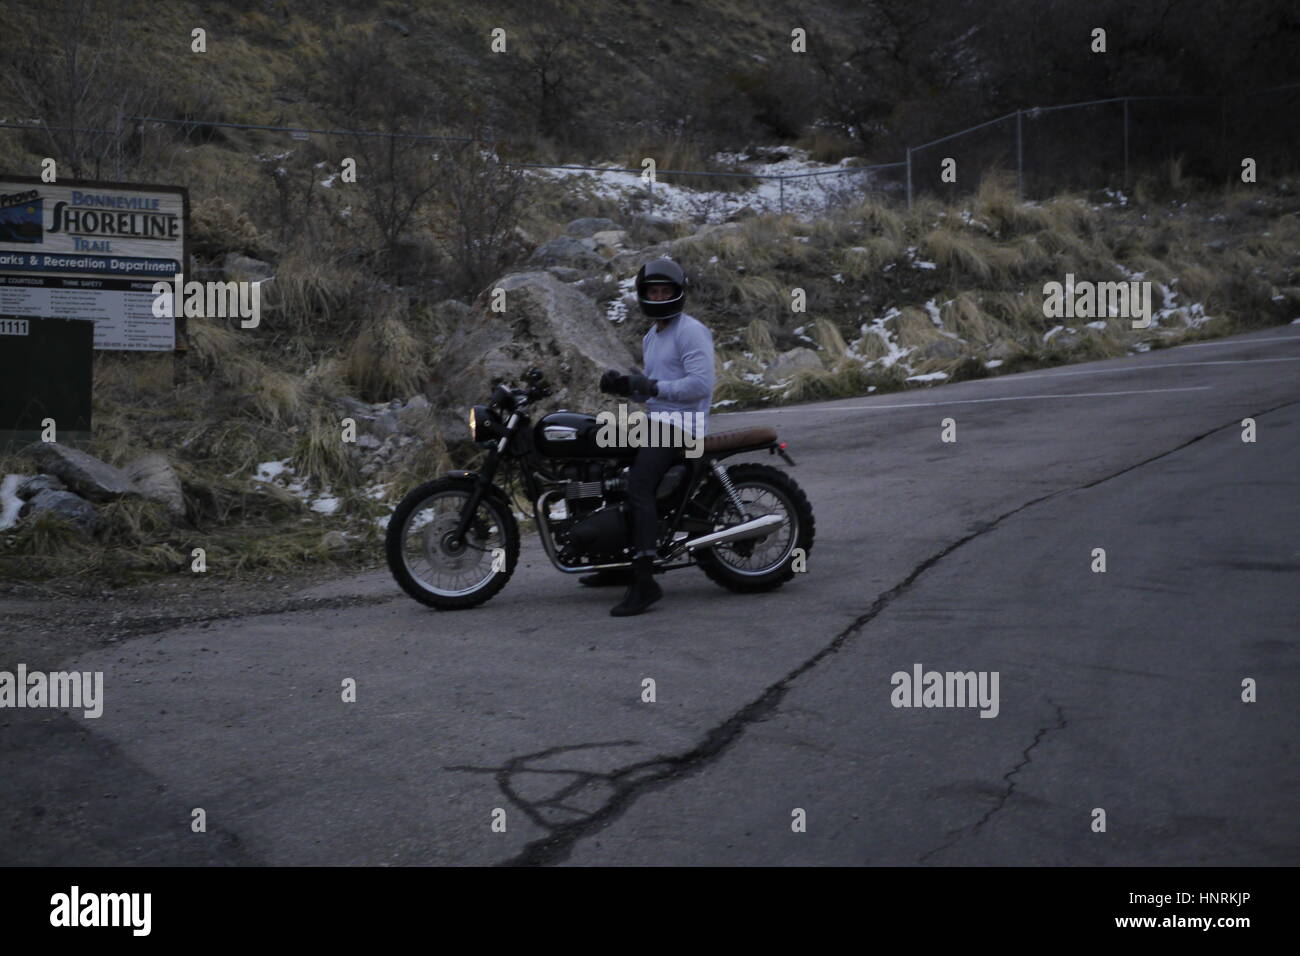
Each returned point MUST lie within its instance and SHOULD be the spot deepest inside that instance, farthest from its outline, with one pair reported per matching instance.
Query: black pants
(643, 479)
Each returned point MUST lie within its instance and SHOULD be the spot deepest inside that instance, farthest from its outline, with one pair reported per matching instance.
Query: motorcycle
(453, 542)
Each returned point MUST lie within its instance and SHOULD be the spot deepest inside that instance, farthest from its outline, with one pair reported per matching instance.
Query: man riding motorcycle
(677, 352)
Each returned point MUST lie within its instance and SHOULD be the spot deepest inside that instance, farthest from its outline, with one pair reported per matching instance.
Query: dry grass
(758, 340)
(385, 360)
(861, 262)
(871, 345)
(320, 454)
(965, 317)
(962, 254)
(913, 328)
(830, 341)
(997, 205)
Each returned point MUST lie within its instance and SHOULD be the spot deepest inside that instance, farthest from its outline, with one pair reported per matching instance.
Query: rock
(787, 363)
(548, 324)
(412, 415)
(36, 484)
(609, 243)
(584, 228)
(654, 229)
(567, 251)
(154, 477)
(381, 422)
(1002, 350)
(334, 541)
(941, 348)
(243, 268)
(76, 509)
(602, 288)
(83, 473)
(565, 274)
(1063, 341)
(627, 263)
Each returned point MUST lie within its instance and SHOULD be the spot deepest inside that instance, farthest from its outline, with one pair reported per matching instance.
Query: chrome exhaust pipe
(758, 528)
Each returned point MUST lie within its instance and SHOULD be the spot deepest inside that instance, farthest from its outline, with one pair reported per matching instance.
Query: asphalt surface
(1118, 691)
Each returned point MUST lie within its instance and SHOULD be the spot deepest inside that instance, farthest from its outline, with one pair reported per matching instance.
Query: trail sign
(90, 250)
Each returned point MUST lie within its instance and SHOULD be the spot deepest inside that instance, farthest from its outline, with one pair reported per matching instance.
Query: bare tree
(478, 202)
(78, 79)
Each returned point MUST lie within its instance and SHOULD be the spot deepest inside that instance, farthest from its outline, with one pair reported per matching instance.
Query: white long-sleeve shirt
(680, 358)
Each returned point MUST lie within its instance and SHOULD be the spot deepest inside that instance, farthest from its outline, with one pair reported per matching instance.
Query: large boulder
(652, 229)
(787, 363)
(585, 228)
(547, 324)
(153, 476)
(83, 473)
(76, 509)
(570, 252)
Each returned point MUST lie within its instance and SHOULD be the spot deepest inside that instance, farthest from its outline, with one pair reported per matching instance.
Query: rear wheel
(759, 564)
(431, 566)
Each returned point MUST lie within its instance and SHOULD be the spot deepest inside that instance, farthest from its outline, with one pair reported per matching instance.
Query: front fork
(483, 482)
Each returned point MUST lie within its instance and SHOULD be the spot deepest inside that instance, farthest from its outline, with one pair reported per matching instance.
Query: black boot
(607, 577)
(642, 592)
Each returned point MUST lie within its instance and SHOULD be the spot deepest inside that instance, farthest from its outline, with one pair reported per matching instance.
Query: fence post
(909, 177)
(1126, 142)
(1020, 157)
(782, 182)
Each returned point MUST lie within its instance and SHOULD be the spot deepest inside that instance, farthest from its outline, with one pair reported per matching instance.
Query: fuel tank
(573, 435)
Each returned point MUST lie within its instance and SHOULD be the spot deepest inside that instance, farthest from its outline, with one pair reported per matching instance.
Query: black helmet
(661, 272)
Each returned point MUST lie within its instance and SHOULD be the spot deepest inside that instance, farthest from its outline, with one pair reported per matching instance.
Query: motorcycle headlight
(480, 423)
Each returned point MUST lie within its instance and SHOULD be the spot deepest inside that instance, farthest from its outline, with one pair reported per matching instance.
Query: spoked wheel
(434, 567)
(758, 564)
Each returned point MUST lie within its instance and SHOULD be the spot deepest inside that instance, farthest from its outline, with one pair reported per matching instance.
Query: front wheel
(759, 564)
(435, 569)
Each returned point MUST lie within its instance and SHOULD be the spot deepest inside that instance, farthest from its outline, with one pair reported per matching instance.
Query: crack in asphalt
(1025, 758)
(664, 770)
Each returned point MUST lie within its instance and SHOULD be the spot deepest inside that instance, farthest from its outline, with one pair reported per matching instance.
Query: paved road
(1118, 691)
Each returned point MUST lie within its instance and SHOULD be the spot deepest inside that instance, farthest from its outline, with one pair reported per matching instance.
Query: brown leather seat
(739, 438)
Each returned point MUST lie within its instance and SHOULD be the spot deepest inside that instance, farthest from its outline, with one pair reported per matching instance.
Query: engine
(587, 517)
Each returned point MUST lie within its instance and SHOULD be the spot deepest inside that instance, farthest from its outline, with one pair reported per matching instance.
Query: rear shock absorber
(725, 480)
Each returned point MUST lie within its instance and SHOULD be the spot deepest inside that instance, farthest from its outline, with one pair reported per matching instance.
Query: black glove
(614, 383)
(640, 385)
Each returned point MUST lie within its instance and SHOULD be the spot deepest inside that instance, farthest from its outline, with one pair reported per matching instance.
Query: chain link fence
(1092, 145)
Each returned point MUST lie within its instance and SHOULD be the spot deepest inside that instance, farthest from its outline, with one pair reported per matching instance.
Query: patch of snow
(933, 311)
(326, 504)
(1097, 325)
(1047, 336)
(9, 501)
(931, 377)
(270, 470)
(922, 264)
(993, 364)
